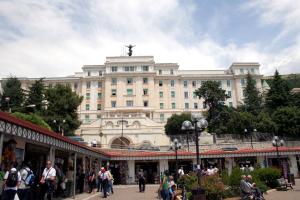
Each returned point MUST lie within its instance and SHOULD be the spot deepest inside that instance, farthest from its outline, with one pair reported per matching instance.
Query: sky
(49, 38)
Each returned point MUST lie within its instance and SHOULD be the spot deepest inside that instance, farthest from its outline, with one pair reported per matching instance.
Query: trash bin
(198, 194)
(291, 178)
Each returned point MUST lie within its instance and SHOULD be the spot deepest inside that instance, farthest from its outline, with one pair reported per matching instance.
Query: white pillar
(74, 175)
(261, 161)
(131, 171)
(51, 155)
(229, 165)
(163, 165)
(1, 145)
(293, 165)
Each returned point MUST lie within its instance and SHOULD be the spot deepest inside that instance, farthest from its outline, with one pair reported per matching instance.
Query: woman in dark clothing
(92, 180)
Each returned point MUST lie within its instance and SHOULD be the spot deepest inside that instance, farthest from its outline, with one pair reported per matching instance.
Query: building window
(99, 84)
(228, 83)
(129, 68)
(99, 96)
(88, 85)
(194, 83)
(162, 117)
(196, 105)
(242, 71)
(114, 68)
(113, 92)
(129, 103)
(145, 103)
(88, 96)
(129, 81)
(161, 94)
(75, 86)
(145, 91)
(252, 70)
(145, 68)
(186, 95)
(186, 105)
(160, 83)
(161, 105)
(98, 106)
(113, 81)
(229, 94)
(160, 72)
(204, 106)
(172, 83)
(100, 73)
(129, 92)
(87, 106)
(89, 73)
(113, 104)
(242, 81)
(194, 95)
(185, 83)
(171, 71)
(87, 118)
(173, 94)
(98, 116)
(145, 80)
(230, 104)
(173, 105)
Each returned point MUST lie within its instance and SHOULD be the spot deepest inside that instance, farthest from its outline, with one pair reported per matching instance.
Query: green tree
(264, 123)
(279, 93)
(239, 121)
(36, 96)
(13, 95)
(173, 125)
(287, 120)
(62, 106)
(34, 118)
(252, 101)
(214, 97)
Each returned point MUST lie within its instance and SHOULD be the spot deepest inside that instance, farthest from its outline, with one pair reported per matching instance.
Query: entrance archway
(120, 143)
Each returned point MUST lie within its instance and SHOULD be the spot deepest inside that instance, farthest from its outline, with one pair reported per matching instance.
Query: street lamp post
(7, 99)
(278, 143)
(176, 145)
(251, 137)
(60, 129)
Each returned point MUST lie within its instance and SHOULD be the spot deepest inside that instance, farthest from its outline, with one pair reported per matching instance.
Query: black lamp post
(251, 140)
(199, 125)
(59, 125)
(278, 143)
(176, 145)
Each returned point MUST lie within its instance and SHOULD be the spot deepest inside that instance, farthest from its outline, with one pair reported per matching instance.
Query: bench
(284, 184)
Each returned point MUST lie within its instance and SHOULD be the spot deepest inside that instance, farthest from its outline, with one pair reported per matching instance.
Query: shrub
(267, 175)
(33, 118)
(213, 186)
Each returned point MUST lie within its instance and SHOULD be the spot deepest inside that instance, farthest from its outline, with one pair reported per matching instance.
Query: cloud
(55, 38)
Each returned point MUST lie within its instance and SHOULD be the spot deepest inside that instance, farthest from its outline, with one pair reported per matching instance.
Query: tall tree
(13, 95)
(36, 96)
(279, 93)
(214, 97)
(61, 109)
(173, 125)
(252, 100)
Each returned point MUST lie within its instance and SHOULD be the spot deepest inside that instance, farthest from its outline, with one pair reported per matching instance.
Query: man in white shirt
(47, 181)
(24, 189)
(104, 177)
(180, 172)
(12, 179)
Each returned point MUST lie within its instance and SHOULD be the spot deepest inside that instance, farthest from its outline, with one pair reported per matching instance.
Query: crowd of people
(249, 190)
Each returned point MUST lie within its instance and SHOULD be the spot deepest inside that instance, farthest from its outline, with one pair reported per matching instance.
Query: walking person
(12, 180)
(92, 180)
(110, 182)
(27, 181)
(47, 181)
(164, 187)
(99, 186)
(104, 177)
(141, 179)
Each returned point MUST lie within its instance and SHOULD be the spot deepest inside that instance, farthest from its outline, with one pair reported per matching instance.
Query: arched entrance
(120, 143)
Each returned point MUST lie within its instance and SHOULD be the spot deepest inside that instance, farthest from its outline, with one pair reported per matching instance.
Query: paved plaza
(130, 192)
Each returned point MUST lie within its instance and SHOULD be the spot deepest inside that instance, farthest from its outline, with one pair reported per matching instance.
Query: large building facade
(128, 99)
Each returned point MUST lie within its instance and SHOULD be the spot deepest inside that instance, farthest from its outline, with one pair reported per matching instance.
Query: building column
(74, 175)
(293, 165)
(51, 155)
(1, 145)
(261, 161)
(229, 165)
(163, 165)
(131, 171)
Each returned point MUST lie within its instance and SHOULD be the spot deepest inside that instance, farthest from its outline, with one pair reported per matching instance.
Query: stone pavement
(285, 195)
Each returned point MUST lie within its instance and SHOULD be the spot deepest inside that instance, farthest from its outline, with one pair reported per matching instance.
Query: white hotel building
(128, 99)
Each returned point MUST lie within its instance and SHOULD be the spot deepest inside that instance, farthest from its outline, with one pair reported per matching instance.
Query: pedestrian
(47, 181)
(27, 181)
(104, 177)
(180, 172)
(164, 186)
(110, 182)
(92, 179)
(141, 179)
(99, 185)
(12, 180)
